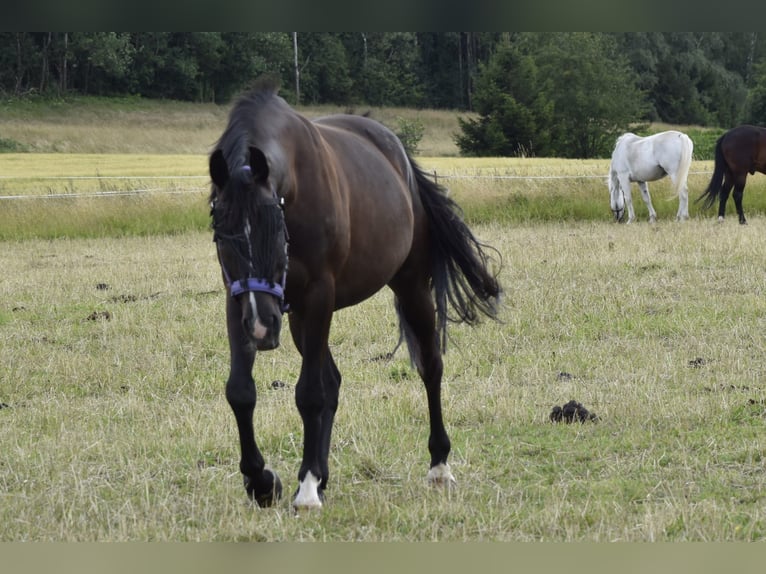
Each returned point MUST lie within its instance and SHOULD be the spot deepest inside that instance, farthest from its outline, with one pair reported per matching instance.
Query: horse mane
(240, 131)
(622, 138)
(263, 87)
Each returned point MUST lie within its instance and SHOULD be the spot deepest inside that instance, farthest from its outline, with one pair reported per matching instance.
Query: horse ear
(259, 164)
(219, 171)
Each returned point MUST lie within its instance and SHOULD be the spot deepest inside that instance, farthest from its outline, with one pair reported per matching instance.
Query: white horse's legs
(625, 186)
(642, 185)
(683, 204)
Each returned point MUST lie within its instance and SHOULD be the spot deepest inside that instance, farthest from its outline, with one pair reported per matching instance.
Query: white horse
(641, 159)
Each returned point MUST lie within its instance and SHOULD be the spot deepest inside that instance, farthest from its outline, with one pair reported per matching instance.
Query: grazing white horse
(642, 159)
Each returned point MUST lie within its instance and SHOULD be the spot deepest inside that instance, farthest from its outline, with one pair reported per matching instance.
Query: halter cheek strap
(253, 284)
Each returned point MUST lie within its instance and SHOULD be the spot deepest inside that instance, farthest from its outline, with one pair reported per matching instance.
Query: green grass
(114, 358)
(117, 429)
(505, 190)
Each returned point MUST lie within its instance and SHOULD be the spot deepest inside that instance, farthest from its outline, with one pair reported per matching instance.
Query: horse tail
(716, 181)
(460, 275)
(687, 150)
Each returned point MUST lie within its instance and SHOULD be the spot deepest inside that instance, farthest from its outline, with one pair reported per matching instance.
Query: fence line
(78, 177)
(436, 176)
(159, 190)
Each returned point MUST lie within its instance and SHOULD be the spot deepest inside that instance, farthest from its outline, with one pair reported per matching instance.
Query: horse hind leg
(415, 307)
(723, 196)
(683, 201)
(739, 189)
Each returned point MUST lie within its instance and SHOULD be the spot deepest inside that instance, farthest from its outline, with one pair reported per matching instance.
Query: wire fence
(185, 188)
(172, 188)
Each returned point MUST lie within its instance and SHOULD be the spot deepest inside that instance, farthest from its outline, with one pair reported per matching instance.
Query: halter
(254, 284)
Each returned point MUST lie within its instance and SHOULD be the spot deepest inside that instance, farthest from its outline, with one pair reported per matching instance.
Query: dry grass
(132, 126)
(117, 429)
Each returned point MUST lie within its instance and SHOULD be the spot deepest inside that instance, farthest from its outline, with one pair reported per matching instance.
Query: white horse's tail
(687, 149)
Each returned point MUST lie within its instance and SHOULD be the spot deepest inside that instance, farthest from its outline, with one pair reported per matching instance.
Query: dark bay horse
(739, 151)
(314, 216)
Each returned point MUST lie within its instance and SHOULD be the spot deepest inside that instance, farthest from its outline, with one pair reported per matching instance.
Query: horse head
(251, 239)
(616, 198)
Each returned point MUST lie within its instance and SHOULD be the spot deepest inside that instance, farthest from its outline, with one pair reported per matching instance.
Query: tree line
(532, 93)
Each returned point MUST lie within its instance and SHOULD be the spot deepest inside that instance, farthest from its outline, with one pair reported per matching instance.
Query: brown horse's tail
(716, 181)
(460, 273)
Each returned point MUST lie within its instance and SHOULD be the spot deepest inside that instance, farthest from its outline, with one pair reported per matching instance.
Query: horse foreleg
(331, 381)
(644, 187)
(316, 396)
(739, 189)
(261, 484)
(628, 197)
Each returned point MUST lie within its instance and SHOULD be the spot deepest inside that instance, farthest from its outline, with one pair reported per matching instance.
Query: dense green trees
(534, 93)
(561, 94)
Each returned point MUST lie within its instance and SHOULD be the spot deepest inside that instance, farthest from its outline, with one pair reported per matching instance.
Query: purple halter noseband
(252, 284)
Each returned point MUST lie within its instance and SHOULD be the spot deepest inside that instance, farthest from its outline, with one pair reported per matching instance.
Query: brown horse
(340, 199)
(739, 151)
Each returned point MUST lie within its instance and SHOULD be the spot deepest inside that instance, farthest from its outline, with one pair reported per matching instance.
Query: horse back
(744, 148)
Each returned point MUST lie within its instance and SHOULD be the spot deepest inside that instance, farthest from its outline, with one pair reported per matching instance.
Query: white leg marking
(308, 493)
(441, 475)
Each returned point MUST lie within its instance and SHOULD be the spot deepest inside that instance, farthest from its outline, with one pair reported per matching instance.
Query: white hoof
(308, 493)
(441, 475)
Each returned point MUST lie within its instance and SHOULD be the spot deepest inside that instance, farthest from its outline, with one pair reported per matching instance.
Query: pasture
(115, 427)
(113, 420)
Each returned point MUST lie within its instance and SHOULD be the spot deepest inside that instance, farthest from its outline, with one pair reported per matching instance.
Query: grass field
(115, 427)
(113, 421)
(94, 195)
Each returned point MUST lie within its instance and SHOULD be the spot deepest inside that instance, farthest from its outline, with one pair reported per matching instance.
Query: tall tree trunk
(470, 60)
(19, 71)
(750, 58)
(62, 85)
(297, 70)
(460, 64)
(44, 68)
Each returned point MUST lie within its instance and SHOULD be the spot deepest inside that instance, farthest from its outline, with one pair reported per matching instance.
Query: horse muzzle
(265, 337)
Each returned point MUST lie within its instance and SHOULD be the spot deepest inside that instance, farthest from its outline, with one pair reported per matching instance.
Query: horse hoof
(440, 475)
(308, 495)
(267, 497)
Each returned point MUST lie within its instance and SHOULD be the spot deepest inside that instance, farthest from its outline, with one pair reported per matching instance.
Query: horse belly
(648, 173)
(371, 264)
